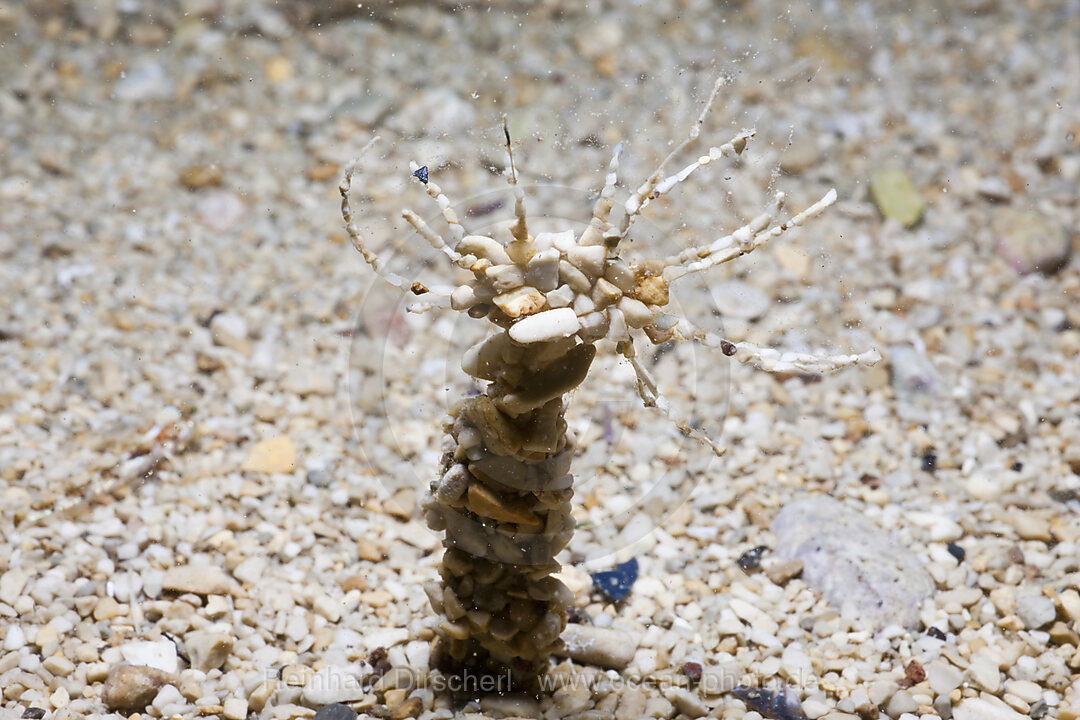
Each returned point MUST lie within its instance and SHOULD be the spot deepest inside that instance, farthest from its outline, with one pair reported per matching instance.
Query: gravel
(216, 426)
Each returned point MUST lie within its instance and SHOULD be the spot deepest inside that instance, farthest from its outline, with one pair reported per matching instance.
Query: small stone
(900, 703)
(58, 664)
(279, 69)
(616, 584)
(720, 679)
(148, 81)
(236, 708)
(33, 713)
(850, 559)
(323, 171)
(544, 326)
(276, 455)
(780, 571)
(1031, 242)
(520, 301)
(305, 381)
(880, 691)
(335, 711)
(598, 646)
(570, 699)
(631, 704)
(793, 259)
(738, 299)
(408, 708)
(913, 374)
(1031, 527)
(327, 607)
(46, 635)
(231, 331)
(132, 688)
(895, 196)
(197, 579)
(216, 606)
(801, 154)
(60, 698)
(333, 684)
(985, 708)
(219, 210)
(107, 608)
(208, 649)
(984, 671)
(486, 503)
(194, 177)
(14, 637)
(251, 570)
(943, 677)
(11, 585)
(994, 188)
(815, 706)
(687, 702)
(1035, 611)
(159, 654)
(1026, 690)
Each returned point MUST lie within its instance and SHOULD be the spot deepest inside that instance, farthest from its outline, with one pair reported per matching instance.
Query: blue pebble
(421, 175)
(616, 583)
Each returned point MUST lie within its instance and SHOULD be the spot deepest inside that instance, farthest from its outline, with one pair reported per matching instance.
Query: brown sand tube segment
(504, 502)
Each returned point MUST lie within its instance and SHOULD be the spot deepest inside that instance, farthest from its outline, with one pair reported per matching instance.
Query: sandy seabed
(216, 424)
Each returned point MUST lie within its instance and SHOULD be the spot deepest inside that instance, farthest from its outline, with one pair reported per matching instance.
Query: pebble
(631, 704)
(144, 82)
(14, 637)
(230, 330)
(943, 677)
(1035, 611)
(275, 455)
(158, 654)
(896, 198)
(687, 702)
(720, 679)
(738, 299)
(900, 703)
(1026, 690)
(11, 585)
(598, 646)
(194, 177)
(985, 707)
(851, 560)
(200, 580)
(208, 649)
(132, 688)
(780, 571)
(544, 326)
(984, 671)
(994, 188)
(1031, 241)
(335, 711)
(236, 708)
(305, 381)
(333, 684)
(913, 375)
(220, 210)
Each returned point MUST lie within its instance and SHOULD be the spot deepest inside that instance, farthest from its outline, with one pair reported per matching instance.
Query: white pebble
(544, 326)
